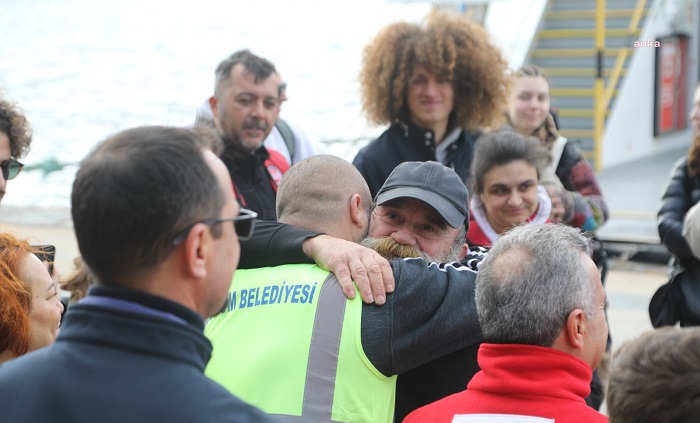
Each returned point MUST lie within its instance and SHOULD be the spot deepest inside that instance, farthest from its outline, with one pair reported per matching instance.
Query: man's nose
(403, 235)
(257, 109)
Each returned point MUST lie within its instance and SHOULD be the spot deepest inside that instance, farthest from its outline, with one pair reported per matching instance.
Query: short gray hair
(530, 281)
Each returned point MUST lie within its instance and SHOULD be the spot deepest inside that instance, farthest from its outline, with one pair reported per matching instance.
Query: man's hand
(350, 261)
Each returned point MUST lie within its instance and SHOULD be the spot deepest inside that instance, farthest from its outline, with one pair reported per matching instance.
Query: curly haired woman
(435, 83)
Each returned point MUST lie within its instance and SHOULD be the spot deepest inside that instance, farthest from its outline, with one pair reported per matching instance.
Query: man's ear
(463, 250)
(214, 104)
(576, 328)
(357, 211)
(197, 250)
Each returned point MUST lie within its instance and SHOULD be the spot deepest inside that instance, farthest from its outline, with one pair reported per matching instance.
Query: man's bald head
(316, 192)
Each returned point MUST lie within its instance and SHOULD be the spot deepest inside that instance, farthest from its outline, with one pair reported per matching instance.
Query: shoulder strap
(276, 166)
(557, 150)
(287, 136)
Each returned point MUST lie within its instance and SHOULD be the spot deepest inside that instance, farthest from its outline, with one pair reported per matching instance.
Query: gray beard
(390, 249)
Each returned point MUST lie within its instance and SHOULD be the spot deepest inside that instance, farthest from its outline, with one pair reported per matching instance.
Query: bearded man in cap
(420, 212)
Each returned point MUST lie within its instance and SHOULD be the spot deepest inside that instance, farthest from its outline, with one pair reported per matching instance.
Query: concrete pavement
(629, 287)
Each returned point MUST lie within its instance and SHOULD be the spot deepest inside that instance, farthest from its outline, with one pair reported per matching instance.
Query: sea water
(83, 69)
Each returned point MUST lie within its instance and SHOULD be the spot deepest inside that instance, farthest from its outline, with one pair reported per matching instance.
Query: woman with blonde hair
(30, 309)
(571, 180)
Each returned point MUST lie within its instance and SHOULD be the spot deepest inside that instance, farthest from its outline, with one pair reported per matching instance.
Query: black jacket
(409, 142)
(682, 192)
(435, 380)
(141, 360)
(254, 186)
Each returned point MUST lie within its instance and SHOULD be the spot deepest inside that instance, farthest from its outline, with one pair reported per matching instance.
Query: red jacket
(520, 380)
(477, 237)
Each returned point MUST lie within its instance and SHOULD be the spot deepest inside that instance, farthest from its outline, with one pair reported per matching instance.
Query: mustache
(255, 124)
(390, 249)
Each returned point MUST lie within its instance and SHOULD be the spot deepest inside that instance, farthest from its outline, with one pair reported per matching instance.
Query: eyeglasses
(10, 168)
(244, 224)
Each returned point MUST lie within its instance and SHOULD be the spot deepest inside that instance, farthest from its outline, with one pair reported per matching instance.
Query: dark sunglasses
(10, 168)
(244, 224)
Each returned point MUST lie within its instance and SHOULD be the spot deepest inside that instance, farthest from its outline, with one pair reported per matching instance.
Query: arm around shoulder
(274, 244)
(432, 313)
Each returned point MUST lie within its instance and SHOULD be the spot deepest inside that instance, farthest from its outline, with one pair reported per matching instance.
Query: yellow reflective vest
(289, 342)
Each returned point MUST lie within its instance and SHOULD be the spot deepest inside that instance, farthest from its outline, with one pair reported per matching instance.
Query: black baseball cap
(433, 183)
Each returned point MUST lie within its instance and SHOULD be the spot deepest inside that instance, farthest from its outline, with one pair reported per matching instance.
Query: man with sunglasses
(290, 343)
(152, 209)
(15, 139)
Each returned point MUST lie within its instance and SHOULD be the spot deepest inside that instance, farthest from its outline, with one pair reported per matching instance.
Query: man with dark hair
(245, 106)
(15, 138)
(284, 137)
(541, 307)
(158, 226)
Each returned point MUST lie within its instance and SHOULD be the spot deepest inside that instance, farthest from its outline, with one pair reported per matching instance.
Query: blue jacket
(137, 358)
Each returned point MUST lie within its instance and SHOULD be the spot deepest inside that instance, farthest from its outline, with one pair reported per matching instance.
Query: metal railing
(602, 98)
